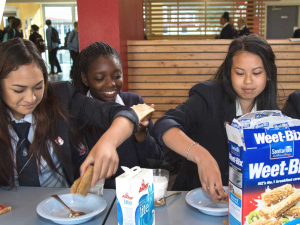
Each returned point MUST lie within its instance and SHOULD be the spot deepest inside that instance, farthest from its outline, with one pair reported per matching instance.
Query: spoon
(72, 213)
(160, 202)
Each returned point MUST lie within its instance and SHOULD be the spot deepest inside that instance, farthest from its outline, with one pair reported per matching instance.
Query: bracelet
(187, 152)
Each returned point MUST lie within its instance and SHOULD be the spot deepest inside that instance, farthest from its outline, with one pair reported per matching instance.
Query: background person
(73, 43)
(98, 74)
(14, 31)
(243, 30)
(52, 49)
(246, 81)
(227, 30)
(38, 135)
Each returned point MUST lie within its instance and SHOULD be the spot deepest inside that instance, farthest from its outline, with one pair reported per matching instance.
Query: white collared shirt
(225, 24)
(239, 111)
(242, 27)
(117, 100)
(47, 177)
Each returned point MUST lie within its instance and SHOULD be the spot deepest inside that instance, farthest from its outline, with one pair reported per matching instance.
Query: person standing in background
(52, 49)
(243, 30)
(36, 38)
(9, 19)
(14, 30)
(227, 30)
(73, 44)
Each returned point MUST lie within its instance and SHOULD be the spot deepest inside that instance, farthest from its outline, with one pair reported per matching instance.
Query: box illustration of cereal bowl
(264, 169)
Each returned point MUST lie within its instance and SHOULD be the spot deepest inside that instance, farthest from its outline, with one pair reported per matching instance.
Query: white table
(175, 212)
(24, 201)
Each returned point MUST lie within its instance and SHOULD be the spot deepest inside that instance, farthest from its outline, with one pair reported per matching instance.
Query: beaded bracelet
(187, 152)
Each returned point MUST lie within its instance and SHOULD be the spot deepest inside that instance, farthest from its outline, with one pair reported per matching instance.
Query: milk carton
(135, 197)
(264, 169)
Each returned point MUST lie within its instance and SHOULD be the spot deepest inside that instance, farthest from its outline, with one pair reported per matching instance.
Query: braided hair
(86, 57)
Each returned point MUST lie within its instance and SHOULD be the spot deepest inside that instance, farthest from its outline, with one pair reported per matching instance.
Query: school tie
(26, 165)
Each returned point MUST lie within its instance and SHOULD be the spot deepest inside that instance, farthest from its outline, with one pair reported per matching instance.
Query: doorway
(281, 21)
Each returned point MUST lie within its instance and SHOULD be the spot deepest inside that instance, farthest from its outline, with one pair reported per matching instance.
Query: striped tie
(26, 165)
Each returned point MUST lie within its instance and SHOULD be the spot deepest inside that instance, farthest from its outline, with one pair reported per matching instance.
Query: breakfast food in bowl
(83, 184)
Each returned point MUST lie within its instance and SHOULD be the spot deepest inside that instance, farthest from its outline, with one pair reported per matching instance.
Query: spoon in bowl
(161, 201)
(72, 213)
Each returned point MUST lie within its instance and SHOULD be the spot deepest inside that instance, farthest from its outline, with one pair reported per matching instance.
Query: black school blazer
(146, 154)
(85, 111)
(292, 106)
(227, 32)
(202, 118)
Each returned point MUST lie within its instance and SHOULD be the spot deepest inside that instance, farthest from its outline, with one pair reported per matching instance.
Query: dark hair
(35, 28)
(86, 57)
(226, 16)
(10, 18)
(75, 24)
(258, 46)
(15, 53)
(15, 23)
(48, 22)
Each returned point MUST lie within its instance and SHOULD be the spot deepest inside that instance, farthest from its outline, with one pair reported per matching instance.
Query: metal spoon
(72, 213)
(159, 202)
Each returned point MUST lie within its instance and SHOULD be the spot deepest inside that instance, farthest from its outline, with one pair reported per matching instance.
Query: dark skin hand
(141, 131)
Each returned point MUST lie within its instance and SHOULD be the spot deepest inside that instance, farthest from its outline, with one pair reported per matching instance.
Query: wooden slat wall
(162, 71)
(198, 19)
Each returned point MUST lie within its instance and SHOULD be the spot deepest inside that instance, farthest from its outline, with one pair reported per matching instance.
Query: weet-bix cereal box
(135, 197)
(264, 169)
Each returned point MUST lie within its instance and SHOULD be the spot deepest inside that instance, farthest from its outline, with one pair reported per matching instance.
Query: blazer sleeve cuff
(131, 115)
(161, 127)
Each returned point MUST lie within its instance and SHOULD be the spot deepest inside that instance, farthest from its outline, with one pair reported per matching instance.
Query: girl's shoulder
(131, 98)
(211, 91)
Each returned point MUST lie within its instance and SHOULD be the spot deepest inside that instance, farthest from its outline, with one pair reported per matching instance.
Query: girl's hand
(141, 131)
(105, 158)
(209, 174)
(104, 154)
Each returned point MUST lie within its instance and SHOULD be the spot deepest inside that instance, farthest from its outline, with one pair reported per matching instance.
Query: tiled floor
(64, 76)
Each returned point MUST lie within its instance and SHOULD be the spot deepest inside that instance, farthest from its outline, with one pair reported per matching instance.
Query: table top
(24, 201)
(176, 211)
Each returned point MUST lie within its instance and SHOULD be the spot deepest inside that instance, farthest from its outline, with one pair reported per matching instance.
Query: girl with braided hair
(38, 120)
(98, 74)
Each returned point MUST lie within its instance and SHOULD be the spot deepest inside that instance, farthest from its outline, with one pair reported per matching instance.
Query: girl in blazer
(245, 82)
(53, 111)
(227, 30)
(98, 74)
(243, 29)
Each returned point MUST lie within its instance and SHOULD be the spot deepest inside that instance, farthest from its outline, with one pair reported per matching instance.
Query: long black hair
(86, 57)
(258, 46)
(15, 53)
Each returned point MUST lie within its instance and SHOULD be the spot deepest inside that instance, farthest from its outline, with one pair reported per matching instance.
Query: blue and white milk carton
(135, 197)
(264, 169)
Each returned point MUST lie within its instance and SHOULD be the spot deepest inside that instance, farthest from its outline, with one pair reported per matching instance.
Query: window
(198, 19)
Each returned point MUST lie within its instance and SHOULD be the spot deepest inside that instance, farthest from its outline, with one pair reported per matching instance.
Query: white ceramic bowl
(205, 204)
(53, 210)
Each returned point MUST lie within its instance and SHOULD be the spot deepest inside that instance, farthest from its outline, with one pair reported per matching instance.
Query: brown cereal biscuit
(85, 182)
(293, 212)
(277, 194)
(266, 212)
(286, 204)
(75, 185)
(266, 222)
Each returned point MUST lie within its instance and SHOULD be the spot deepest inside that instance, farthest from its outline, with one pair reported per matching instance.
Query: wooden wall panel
(163, 71)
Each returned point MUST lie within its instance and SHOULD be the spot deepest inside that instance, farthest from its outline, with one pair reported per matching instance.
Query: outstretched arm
(104, 155)
(208, 169)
